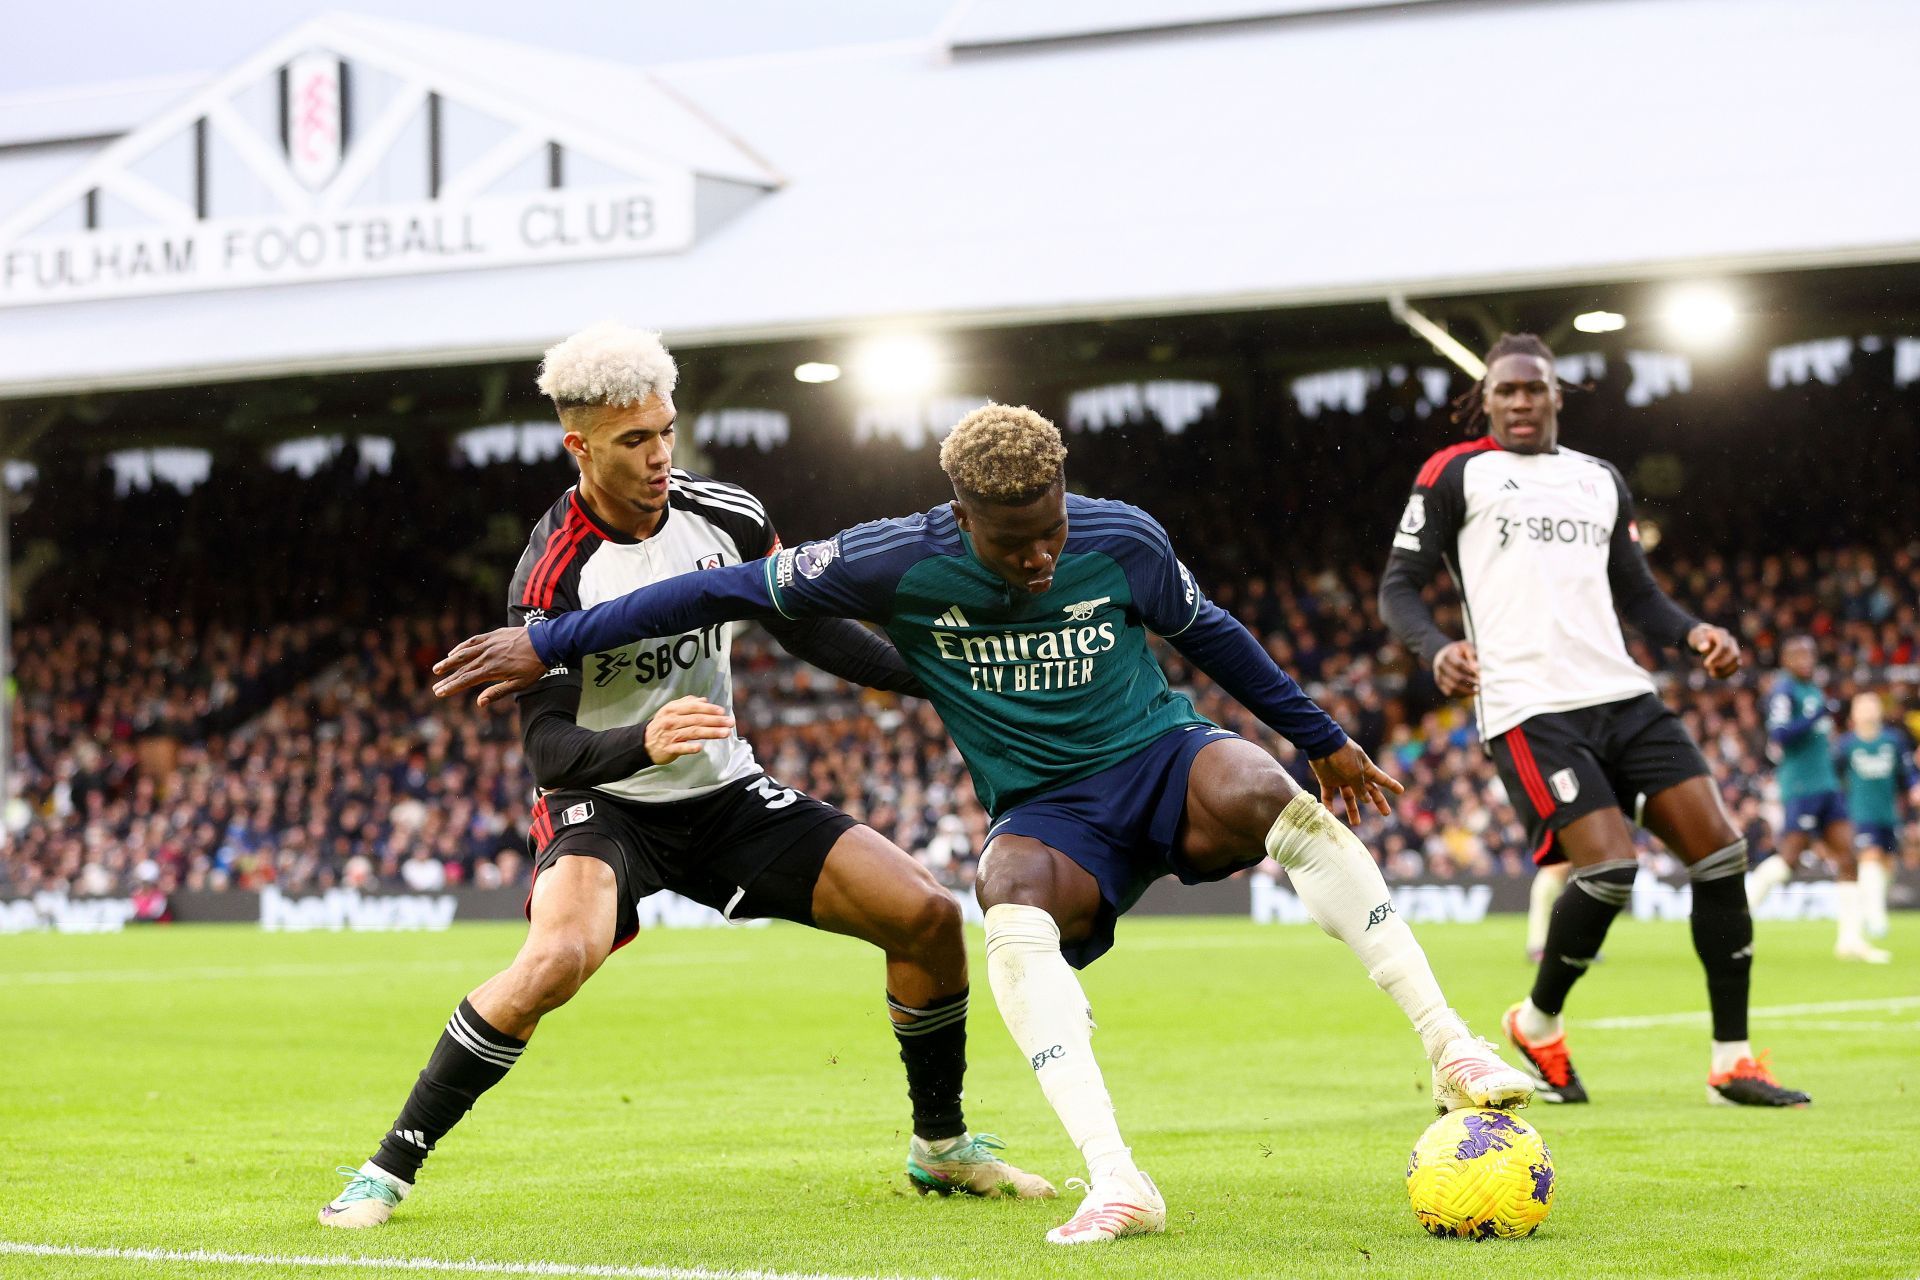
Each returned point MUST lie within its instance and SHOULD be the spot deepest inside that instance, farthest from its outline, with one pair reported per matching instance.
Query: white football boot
(1860, 950)
(369, 1199)
(1124, 1204)
(970, 1164)
(1470, 1073)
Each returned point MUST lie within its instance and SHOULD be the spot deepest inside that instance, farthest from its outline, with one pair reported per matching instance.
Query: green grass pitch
(729, 1101)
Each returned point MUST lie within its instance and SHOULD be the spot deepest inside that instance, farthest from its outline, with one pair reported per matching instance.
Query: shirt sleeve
(1171, 605)
(842, 647)
(850, 575)
(562, 754)
(1784, 723)
(1636, 596)
(522, 611)
(1428, 530)
(687, 602)
(1219, 645)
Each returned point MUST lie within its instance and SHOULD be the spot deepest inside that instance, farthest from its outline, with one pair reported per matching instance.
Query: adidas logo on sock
(413, 1137)
(952, 618)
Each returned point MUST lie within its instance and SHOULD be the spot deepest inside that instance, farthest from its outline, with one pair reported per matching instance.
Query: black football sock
(1723, 936)
(471, 1058)
(1581, 918)
(933, 1044)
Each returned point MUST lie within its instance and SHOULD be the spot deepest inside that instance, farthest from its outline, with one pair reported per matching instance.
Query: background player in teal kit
(1800, 727)
(1025, 614)
(1875, 766)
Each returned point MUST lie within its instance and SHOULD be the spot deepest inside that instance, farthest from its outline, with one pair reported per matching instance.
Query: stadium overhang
(365, 195)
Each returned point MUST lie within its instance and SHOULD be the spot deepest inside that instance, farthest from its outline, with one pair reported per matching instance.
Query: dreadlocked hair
(1469, 407)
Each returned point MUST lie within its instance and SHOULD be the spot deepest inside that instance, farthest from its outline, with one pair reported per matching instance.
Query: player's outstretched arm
(513, 658)
(1172, 605)
(842, 647)
(1219, 645)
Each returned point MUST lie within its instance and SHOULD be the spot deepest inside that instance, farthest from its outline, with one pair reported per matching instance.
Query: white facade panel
(1269, 164)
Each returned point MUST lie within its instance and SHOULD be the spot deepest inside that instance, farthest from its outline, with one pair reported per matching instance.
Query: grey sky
(79, 42)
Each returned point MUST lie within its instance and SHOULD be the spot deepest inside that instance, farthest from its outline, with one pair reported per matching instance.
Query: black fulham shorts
(751, 850)
(1567, 764)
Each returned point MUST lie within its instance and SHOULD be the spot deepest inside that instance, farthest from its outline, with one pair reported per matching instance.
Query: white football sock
(1536, 1026)
(1873, 897)
(1047, 1012)
(1847, 909)
(1727, 1052)
(1547, 884)
(1339, 884)
(1765, 878)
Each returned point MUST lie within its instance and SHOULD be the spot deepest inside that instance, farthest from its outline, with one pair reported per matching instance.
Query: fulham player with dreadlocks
(1541, 542)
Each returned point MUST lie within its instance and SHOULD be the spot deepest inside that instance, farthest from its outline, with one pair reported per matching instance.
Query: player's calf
(1341, 887)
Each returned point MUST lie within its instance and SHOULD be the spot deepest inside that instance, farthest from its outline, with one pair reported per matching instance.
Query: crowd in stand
(240, 704)
(349, 772)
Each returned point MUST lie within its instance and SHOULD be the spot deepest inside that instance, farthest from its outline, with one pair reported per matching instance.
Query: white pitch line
(73, 977)
(77, 977)
(1893, 1005)
(471, 1266)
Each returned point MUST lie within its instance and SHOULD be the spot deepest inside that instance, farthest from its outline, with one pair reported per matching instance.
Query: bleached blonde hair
(608, 364)
(1003, 453)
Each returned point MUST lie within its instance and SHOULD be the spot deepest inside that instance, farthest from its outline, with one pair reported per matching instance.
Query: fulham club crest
(1565, 785)
(314, 116)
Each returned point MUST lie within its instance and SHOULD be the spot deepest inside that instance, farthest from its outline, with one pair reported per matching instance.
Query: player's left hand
(1719, 651)
(1351, 774)
(503, 660)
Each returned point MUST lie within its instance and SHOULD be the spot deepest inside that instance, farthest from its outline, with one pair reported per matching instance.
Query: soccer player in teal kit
(1800, 728)
(1875, 766)
(1024, 612)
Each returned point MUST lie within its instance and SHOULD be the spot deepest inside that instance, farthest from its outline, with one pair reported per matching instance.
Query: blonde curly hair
(608, 364)
(1003, 453)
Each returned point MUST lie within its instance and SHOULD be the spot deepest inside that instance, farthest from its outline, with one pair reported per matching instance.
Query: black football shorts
(1566, 764)
(751, 850)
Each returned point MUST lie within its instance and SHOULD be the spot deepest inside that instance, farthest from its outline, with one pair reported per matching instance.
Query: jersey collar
(607, 531)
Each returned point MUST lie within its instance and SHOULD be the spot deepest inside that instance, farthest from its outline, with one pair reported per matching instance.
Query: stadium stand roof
(1022, 164)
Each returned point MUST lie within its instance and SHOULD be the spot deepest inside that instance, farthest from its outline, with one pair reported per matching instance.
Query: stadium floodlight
(1702, 315)
(898, 365)
(1599, 321)
(816, 371)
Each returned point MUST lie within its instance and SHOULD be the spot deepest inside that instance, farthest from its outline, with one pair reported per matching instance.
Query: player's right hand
(1719, 651)
(685, 726)
(1456, 669)
(503, 660)
(1352, 776)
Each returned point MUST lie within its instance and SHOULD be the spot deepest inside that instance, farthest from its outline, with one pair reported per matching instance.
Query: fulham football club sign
(329, 156)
